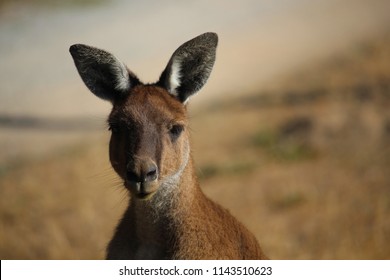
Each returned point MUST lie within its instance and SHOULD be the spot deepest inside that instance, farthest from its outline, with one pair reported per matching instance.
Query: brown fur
(168, 216)
(187, 225)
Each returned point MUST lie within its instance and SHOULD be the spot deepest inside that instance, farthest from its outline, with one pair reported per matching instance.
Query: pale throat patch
(170, 184)
(175, 178)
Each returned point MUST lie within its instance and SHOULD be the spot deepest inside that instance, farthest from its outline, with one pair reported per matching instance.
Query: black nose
(145, 171)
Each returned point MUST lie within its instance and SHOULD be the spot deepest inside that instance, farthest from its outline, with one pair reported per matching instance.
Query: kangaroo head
(149, 146)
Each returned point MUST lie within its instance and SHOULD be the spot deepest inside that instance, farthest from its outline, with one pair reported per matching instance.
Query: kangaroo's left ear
(102, 72)
(190, 66)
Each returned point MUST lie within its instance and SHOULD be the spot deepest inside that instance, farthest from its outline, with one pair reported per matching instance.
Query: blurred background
(291, 133)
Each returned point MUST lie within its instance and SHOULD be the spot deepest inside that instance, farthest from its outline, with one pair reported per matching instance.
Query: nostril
(146, 171)
(151, 175)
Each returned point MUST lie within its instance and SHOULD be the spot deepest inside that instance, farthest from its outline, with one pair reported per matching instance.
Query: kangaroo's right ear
(190, 66)
(102, 72)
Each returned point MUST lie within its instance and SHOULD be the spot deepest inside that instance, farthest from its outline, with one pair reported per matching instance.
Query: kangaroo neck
(156, 218)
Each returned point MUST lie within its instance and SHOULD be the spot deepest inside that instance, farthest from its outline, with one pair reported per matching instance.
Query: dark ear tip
(212, 37)
(77, 48)
(73, 48)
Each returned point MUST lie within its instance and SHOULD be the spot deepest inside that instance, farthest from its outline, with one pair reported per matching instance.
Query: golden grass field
(303, 161)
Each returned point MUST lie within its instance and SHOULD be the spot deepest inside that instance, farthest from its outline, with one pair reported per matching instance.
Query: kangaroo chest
(151, 236)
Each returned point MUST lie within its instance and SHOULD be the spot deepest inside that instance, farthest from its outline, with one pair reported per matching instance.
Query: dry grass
(304, 164)
(63, 207)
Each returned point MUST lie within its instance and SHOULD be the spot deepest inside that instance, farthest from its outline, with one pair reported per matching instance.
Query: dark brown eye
(113, 128)
(175, 131)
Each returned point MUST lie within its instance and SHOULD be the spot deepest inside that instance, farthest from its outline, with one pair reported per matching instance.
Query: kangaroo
(168, 216)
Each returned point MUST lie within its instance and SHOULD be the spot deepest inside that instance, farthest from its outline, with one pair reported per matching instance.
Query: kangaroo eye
(175, 131)
(113, 128)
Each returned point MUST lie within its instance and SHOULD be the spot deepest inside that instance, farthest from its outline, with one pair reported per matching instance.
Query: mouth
(144, 196)
(141, 190)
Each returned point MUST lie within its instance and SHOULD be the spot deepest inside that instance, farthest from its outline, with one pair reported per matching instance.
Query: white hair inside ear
(174, 78)
(121, 75)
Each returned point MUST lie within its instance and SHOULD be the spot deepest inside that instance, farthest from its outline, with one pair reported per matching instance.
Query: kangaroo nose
(145, 171)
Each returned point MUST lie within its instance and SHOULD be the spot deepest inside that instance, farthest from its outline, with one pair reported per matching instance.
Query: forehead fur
(148, 103)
